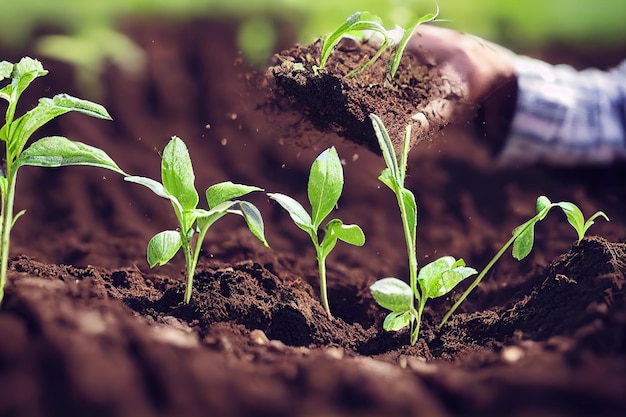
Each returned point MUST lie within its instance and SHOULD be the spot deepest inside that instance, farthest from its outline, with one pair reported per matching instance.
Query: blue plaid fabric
(567, 117)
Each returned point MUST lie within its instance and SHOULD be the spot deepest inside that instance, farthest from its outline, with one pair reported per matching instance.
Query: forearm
(566, 117)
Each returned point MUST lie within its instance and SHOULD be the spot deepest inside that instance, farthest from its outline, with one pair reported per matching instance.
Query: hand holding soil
(443, 77)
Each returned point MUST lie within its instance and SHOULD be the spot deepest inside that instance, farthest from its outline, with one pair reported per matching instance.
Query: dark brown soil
(87, 329)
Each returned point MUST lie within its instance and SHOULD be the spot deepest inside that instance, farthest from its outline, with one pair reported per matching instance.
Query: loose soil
(88, 329)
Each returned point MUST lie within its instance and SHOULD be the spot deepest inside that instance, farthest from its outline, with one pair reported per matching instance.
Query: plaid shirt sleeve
(567, 117)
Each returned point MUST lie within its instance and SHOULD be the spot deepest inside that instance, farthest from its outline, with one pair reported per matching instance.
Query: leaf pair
(178, 186)
(324, 189)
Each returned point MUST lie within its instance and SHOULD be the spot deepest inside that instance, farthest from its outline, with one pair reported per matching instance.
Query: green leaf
(162, 247)
(325, 185)
(386, 177)
(56, 151)
(254, 220)
(335, 229)
(23, 73)
(524, 241)
(46, 110)
(155, 186)
(543, 203)
(223, 191)
(386, 147)
(442, 275)
(576, 218)
(397, 320)
(358, 21)
(349, 233)
(392, 294)
(410, 207)
(405, 39)
(298, 214)
(6, 68)
(177, 173)
(3, 184)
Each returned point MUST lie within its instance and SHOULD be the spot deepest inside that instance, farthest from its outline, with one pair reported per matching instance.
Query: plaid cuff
(567, 117)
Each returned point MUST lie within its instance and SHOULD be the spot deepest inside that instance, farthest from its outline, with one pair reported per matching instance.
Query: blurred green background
(90, 36)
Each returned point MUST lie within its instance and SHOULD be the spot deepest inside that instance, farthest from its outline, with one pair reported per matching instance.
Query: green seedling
(52, 151)
(435, 279)
(324, 189)
(177, 185)
(360, 26)
(524, 236)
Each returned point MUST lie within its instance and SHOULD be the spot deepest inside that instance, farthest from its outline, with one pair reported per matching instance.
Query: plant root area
(88, 329)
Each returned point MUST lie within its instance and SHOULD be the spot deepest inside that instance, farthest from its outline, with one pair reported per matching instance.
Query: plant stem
(321, 264)
(415, 333)
(478, 279)
(191, 267)
(7, 223)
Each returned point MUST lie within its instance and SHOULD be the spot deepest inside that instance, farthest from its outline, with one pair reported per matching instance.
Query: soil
(88, 329)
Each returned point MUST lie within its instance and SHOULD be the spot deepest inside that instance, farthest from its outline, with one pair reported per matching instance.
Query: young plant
(435, 279)
(324, 189)
(360, 26)
(177, 185)
(524, 237)
(53, 151)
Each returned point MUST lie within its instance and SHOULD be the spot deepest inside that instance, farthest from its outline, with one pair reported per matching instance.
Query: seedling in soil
(52, 151)
(435, 279)
(177, 185)
(324, 189)
(360, 26)
(524, 236)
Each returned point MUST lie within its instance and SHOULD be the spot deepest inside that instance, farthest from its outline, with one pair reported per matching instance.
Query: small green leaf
(223, 191)
(335, 229)
(162, 247)
(325, 185)
(349, 233)
(177, 173)
(358, 21)
(397, 320)
(410, 208)
(386, 147)
(56, 151)
(405, 39)
(3, 184)
(524, 241)
(386, 177)
(6, 68)
(298, 214)
(392, 294)
(24, 72)
(442, 275)
(576, 218)
(17, 216)
(155, 186)
(254, 220)
(543, 202)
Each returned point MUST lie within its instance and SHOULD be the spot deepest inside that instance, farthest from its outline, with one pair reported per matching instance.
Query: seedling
(524, 236)
(435, 279)
(324, 189)
(360, 26)
(53, 151)
(177, 185)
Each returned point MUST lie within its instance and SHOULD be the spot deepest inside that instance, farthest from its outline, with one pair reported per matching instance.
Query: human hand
(482, 72)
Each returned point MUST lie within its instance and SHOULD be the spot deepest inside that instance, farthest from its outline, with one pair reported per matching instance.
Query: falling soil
(89, 330)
